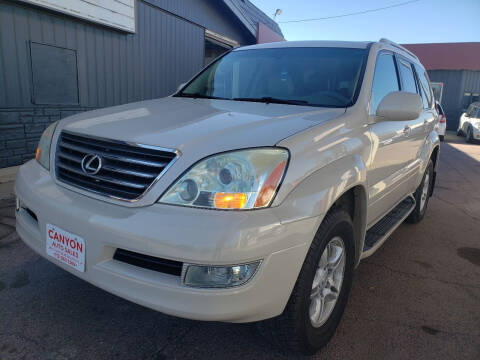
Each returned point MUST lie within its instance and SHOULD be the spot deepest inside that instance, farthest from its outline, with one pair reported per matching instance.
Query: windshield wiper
(268, 99)
(199, 96)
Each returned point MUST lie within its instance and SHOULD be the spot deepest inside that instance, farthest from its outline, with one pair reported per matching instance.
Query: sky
(423, 21)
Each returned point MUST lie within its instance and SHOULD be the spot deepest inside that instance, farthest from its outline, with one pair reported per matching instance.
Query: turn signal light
(230, 200)
(270, 186)
(37, 153)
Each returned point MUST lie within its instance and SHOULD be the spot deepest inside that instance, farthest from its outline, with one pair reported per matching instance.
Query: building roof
(448, 56)
(251, 16)
(308, 43)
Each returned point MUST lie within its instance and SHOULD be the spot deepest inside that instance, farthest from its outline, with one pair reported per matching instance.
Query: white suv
(469, 123)
(250, 194)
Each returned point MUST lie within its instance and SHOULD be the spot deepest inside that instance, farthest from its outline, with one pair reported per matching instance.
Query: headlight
(43, 149)
(243, 179)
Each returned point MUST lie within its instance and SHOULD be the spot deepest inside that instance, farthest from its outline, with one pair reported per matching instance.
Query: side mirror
(399, 106)
(465, 114)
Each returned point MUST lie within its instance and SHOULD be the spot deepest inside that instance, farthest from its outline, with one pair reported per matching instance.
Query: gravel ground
(417, 297)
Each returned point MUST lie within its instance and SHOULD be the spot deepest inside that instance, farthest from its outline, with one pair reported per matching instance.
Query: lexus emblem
(91, 164)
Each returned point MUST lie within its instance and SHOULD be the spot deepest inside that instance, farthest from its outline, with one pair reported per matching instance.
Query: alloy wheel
(424, 195)
(327, 282)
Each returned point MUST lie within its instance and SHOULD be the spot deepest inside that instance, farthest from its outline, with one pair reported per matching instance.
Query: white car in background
(469, 124)
(442, 121)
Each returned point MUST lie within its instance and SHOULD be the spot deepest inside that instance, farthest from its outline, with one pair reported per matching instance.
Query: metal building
(457, 66)
(60, 57)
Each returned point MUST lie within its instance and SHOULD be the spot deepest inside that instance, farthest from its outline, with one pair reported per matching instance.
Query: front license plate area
(66, 247)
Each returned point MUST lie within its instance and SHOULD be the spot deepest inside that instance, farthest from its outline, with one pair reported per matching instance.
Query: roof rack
(398, 46)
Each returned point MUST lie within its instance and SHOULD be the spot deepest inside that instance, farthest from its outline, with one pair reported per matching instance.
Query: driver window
(385, 80)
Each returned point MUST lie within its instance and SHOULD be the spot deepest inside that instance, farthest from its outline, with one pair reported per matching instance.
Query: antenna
(277, 12)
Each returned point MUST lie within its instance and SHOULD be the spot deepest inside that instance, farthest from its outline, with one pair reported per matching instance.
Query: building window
(213, 49)
(216, 45)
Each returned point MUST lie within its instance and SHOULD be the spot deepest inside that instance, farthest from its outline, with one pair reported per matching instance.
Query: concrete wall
(21, 128)
(53, 65)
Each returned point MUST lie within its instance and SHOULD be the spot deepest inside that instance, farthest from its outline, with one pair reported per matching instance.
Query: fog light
(205, 276)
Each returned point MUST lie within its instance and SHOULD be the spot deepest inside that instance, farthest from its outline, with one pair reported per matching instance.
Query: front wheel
(469, 136)
(318, 299)
(422, 195)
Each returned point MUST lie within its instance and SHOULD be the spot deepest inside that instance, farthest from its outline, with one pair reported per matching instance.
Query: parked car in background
(469, 124)
(251, 194)
(442, 121)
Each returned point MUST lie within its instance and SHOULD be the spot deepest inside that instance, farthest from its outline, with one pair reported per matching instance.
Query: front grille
(149, 262)
(126, 172)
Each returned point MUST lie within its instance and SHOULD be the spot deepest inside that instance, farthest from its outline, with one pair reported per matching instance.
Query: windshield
(321, 76)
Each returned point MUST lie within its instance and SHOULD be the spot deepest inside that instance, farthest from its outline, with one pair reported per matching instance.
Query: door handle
(407, 130)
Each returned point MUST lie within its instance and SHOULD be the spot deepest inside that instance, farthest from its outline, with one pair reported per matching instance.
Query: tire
(469, 137)
(424, 190)
(293, 330)
(441, 137)
(459, 132)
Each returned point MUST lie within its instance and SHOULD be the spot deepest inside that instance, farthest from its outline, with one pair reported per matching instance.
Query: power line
(351, 14)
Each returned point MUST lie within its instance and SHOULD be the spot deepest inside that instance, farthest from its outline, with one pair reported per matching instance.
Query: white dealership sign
(119, 14)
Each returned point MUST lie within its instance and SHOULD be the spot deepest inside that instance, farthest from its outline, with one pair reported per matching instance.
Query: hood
(201, 125)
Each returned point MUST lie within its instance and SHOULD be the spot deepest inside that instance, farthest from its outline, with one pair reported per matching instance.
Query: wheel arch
(340, 183)
(354, 201)
(434, 156)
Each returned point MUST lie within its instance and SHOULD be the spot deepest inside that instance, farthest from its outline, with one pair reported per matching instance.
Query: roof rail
(398, 46)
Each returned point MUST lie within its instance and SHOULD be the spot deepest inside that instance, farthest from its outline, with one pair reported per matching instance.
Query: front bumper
(476, 132)
(183, 234)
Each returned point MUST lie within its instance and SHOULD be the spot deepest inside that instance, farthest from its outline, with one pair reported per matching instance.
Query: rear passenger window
(424, 86)
(408, 79)
(426, 105)
(385, 80)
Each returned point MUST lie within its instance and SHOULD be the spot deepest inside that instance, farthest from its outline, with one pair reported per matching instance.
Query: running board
(380, 232)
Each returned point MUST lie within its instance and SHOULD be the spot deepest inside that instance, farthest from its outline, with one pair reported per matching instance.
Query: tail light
(443, 119)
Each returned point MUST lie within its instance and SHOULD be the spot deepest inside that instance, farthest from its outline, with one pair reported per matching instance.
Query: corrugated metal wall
(452, 81)
(456, 82)
(113, 67)
(471, 81)
(206, 13)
